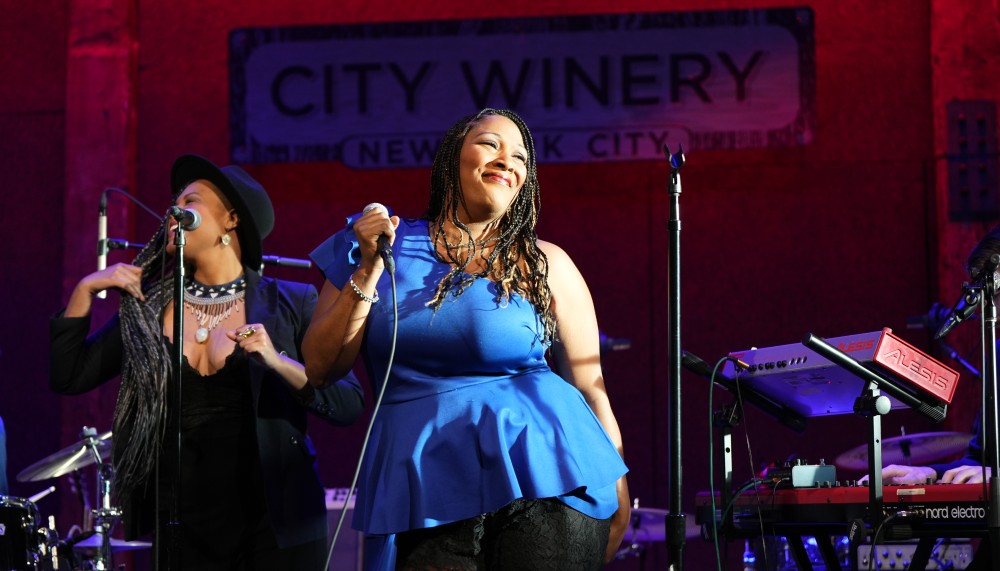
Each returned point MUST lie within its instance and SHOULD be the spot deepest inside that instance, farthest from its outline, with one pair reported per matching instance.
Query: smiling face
(493, 167)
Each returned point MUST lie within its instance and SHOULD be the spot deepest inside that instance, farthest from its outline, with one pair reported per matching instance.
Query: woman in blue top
(481, 457)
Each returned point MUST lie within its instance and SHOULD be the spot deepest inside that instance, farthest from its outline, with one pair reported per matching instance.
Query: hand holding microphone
(387, 232)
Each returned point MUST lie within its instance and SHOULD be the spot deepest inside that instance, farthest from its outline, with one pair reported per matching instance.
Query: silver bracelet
(362, 295)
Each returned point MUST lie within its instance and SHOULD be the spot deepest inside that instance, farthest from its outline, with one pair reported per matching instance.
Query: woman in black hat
(250, 495)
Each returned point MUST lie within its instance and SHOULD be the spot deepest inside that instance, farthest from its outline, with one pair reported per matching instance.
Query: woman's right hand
(124, 277)
(367, 230)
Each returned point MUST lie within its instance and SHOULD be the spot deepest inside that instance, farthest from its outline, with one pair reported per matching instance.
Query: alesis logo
(956, 512)
(921, 369)
(910, 365)
(853, 346)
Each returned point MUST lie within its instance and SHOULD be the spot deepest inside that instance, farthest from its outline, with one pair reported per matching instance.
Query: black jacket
(295, 497)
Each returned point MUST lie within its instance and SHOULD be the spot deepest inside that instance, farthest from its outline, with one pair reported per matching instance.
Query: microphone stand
(675, 520)
(985, 286)
(991, 447)
(177, 357)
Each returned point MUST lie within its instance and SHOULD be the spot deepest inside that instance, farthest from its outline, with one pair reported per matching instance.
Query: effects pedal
(801, 474)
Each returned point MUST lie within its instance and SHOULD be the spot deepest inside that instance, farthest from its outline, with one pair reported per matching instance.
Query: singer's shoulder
(557, 257)
(565, 280)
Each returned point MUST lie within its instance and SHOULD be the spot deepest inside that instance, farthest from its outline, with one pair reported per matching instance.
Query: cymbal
(649, 524)
(66, 460)
(909, 449)
(93, 543)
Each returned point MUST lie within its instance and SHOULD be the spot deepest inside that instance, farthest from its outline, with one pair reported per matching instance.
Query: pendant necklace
(211, 304)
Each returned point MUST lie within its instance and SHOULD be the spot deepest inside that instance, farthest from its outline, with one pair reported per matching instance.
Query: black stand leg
(922, 554)
(827, 551)
(675, 524)
(799, 553)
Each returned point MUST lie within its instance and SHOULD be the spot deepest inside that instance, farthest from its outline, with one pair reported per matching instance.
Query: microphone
(963, 309)
(120, 244)
(102, 237)
(384, 248)
(186, 218)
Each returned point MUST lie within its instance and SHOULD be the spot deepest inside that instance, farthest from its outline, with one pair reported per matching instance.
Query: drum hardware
(49, 545)
(34, 499)
(94, 542)
(91, 449)
(44, 545)
(106, 516)
(648, 525)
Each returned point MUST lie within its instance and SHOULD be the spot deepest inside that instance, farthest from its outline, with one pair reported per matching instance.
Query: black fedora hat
(248, 197)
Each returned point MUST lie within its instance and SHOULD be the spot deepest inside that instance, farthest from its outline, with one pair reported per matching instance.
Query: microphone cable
(753, 469)
(371, 422)
(711, 461)
(738, 365)
(711, 452)
(135, 200)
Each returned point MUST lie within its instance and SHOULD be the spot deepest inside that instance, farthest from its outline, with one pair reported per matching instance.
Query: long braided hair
(141, 410)
(516, 263)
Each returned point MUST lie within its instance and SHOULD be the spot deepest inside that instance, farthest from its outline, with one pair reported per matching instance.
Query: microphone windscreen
(374, 206)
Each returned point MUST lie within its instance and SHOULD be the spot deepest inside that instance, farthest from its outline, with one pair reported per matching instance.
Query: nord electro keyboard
(812, 385)
(829, 514)
(931, 505)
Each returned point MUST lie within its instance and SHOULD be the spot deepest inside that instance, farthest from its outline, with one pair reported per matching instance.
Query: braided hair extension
(516, 263)
(141, 410)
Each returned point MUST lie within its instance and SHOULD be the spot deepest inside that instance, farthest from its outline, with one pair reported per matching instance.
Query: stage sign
(591, 88)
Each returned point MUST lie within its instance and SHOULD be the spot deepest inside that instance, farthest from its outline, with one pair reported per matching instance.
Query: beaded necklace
(476, 243)
(211, 304)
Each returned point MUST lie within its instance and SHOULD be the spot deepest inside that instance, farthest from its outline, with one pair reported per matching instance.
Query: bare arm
(578, 357)
(333, 340)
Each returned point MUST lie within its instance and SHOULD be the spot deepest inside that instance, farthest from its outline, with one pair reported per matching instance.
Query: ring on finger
(247, 332)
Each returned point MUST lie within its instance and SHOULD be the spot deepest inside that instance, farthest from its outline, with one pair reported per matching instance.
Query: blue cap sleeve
(339, 255)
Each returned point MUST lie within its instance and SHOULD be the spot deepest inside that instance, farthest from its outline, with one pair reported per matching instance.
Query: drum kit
(26, 545)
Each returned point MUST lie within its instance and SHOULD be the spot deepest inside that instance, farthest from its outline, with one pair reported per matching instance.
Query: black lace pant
(540, 535)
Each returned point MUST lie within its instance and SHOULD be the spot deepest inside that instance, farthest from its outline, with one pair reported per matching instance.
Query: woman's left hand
(253, 338)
